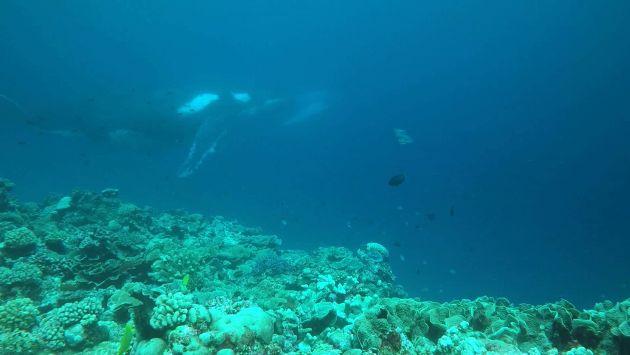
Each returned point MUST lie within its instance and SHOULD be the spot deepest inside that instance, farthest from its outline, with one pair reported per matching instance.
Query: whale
(196, 120)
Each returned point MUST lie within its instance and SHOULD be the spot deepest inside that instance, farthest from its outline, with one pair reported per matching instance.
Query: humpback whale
(227, 112)
(200, 121)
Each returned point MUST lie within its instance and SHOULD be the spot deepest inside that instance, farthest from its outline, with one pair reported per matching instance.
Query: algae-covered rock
(19, 241)
(368, 333)
(71, 325)
(623, 329)
(122, 299)
(586, 332)
(340, 338)
(75, 335)
(176, 309)
(64, 203)
(323, 315)
(153, 346)
(373, 252)
(19, 342)
(20, 274)
(176, 263)
(185, 340)
(580, 350)
(249, 324)
(18, 314)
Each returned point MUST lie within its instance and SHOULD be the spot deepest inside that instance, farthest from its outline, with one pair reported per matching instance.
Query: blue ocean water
(517, 180)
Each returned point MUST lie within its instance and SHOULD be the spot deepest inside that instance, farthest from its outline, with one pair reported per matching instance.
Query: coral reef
(5, 200)
(18, 314)
(177, 309)
(78, 272)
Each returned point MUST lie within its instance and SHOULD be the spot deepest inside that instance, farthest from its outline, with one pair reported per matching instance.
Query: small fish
(451, 211)
(126, 338)
(431, 216)
(397, 180)
(21, 142)
(185, 281)
(402, 136)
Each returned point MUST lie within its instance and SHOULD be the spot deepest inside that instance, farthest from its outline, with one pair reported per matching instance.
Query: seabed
(89, 273)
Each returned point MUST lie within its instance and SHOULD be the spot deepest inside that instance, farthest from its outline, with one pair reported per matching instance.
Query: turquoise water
(509, 121)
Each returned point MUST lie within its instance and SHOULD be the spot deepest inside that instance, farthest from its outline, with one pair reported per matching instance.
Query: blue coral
(269, 263)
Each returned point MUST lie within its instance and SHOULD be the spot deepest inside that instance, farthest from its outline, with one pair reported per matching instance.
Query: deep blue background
(520, 112)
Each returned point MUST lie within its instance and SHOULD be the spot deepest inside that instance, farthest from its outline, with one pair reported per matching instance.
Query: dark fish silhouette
(451, 211)
(396, 180)
(431, 216)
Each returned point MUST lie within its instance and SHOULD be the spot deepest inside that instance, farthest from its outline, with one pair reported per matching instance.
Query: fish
(396, 180)
(402, 136)
(451, 211)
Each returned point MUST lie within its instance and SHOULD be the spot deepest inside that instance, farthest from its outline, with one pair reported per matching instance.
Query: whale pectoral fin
(307, 106)
(205, 143)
